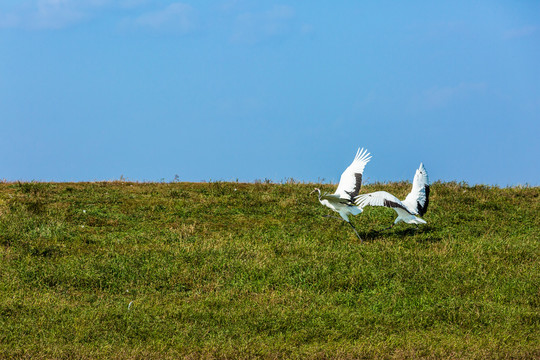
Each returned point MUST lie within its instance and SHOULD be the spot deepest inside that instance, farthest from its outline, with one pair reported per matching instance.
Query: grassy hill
(230, 270)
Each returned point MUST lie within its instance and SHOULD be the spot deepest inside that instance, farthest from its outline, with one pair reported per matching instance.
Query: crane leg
(356, 232)
(348, 222)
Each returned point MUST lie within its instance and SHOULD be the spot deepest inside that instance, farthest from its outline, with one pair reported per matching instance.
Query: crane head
(316, 190)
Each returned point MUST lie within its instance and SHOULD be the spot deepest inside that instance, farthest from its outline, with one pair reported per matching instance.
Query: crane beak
(316, 189)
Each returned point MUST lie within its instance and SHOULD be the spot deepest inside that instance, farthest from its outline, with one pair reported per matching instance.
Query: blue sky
(225, 90)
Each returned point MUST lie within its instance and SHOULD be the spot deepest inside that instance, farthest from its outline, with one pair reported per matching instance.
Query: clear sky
(225, 90)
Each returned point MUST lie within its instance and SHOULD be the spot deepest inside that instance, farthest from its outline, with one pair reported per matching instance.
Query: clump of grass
(234, 270)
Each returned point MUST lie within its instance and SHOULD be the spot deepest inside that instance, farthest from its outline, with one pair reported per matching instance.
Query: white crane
(342, 201)
(408, 210)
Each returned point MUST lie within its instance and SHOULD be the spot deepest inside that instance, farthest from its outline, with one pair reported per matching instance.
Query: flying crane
(343, 200)
(408, 210)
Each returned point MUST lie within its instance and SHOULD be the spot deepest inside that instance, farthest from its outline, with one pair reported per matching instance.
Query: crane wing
(380, 198)
(332, 198)
(418, 198)
(351, 179)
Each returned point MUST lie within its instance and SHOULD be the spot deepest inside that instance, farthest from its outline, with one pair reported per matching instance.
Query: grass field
(230, 270)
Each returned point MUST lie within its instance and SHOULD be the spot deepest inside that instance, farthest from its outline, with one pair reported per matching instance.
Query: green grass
(230, 270)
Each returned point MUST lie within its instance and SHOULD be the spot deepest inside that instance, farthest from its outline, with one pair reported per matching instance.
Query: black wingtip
(422, 209)
(392, 204)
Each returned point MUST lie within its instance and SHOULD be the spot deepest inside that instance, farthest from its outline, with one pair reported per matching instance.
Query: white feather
(348, 183)
(376, 198)
(419, 192)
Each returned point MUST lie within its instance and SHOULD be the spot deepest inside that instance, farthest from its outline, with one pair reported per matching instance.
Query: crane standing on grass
(408, 210)
(343, 200)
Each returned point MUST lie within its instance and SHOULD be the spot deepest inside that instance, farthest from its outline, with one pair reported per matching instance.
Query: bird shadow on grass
(425, 234)
(373, 235)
